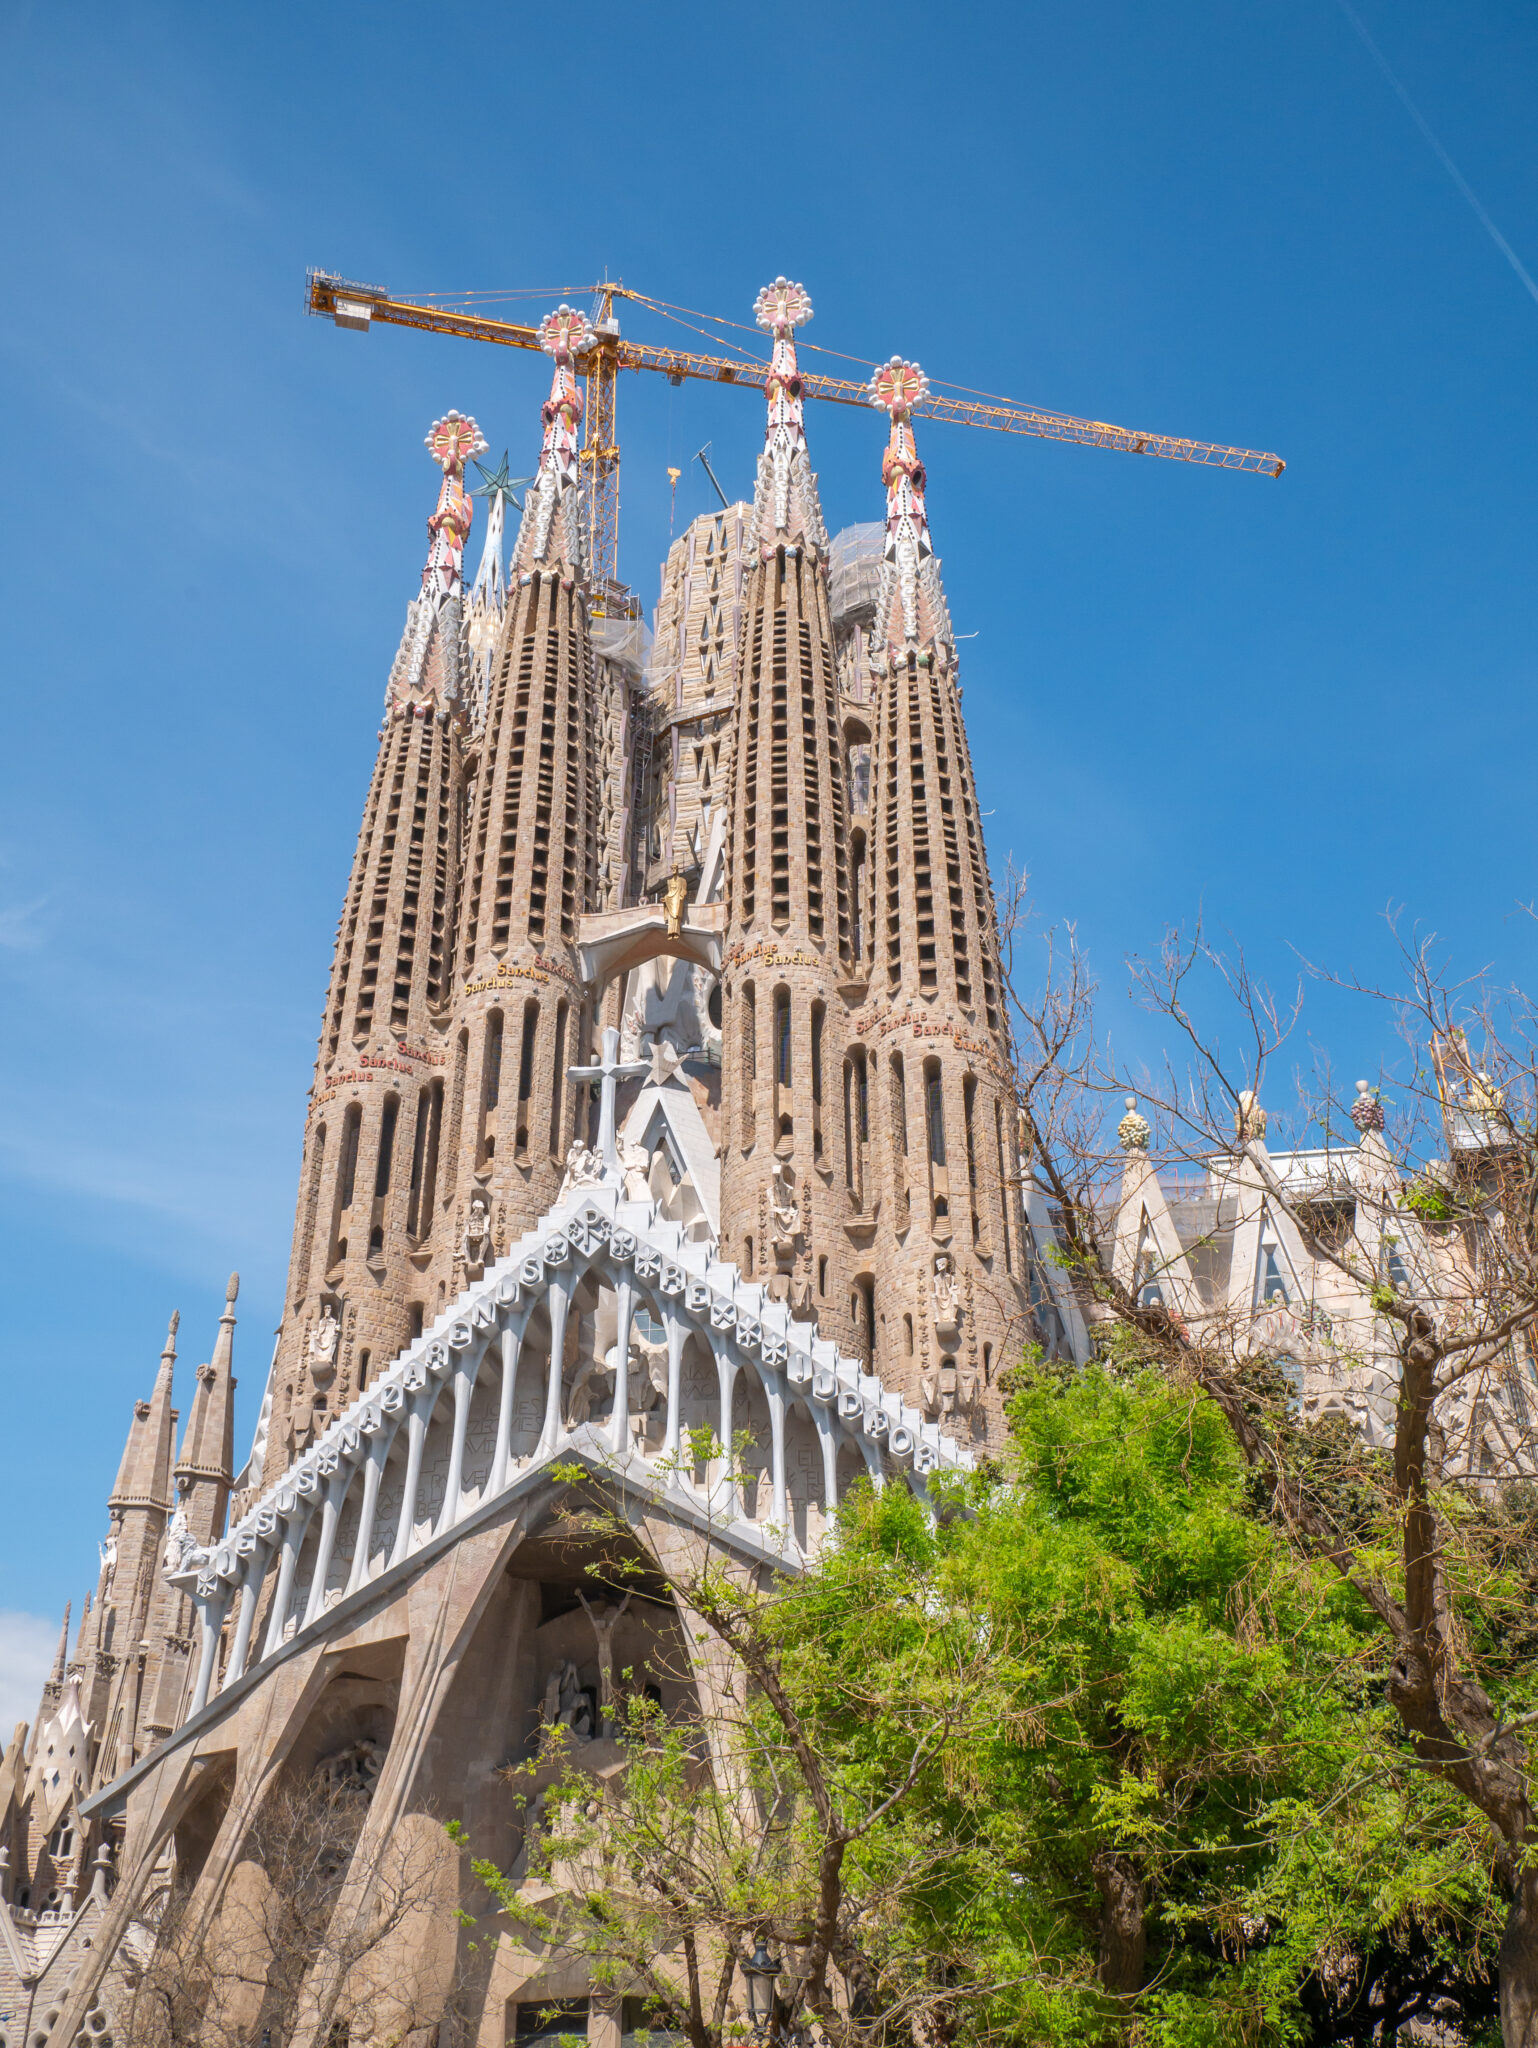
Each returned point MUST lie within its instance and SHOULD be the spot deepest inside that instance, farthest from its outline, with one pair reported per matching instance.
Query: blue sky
(1286, 703)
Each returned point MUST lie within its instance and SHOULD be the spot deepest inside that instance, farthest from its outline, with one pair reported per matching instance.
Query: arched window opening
(749, 1064)
(819, 1015)
(491, 1088)
(387, 1123)
(866, 1319)
(526, 1075)
(558, 1080)
(348, 1177)
(968, 1106)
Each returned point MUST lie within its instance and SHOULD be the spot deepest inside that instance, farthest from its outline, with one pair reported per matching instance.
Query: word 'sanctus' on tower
(784, 1186)
(930, 1036)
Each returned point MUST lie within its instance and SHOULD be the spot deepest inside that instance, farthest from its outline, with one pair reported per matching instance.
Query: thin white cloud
(19, 931)
(27, 1645)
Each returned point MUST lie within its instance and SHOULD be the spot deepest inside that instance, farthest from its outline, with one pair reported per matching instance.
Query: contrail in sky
(1443, 158)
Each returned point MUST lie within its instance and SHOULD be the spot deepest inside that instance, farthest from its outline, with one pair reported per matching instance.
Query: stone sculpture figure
(572, 1708)
(322, 1348)
(477, 1241)
(635, 1164)
(584, 1169)
(604, 1620)
(675, 899)
(784, 1216)
(178, 1540)
(945, 1294)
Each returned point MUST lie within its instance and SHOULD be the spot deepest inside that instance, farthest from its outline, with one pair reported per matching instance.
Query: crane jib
(358, 306)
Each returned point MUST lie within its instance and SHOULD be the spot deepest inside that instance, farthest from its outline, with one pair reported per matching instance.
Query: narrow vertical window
(430, 1163)
(934, 1109)
(1005, 1190)
(526, 1073)
(491, 1087)
(819, 1012)
(418, 1161)
(386, 1145)
(349, 1172)
(782, 1037)
(558, 1079)
(749, 1064)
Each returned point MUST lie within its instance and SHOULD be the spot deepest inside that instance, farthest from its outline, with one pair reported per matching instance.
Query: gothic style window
(392, 1108)
(558, 1089)
(934, 1109)
(349, 1172)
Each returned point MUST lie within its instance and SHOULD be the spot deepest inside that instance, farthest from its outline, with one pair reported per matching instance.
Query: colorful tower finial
(897, 387)
(780, 309)
(563, 335)
(451, 442)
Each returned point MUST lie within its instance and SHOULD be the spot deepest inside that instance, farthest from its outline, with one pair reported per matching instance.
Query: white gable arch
(402, 1468)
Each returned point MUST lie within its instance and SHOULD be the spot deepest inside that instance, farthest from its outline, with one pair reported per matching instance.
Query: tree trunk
(1519, 1966)
(1123, 1900)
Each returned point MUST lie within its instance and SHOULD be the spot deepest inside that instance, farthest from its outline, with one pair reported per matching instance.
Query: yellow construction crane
(358, 306)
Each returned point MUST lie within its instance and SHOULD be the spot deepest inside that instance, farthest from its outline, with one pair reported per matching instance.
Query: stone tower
(929, 1041)
(369, 1174)
(535, 814)
(199, 1503)
(139, 1513)
(787, 1185)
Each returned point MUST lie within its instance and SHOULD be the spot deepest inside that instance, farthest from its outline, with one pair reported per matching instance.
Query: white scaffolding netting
(854, 573)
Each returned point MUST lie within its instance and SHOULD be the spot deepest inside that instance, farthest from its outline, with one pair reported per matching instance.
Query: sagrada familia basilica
(663, 1122)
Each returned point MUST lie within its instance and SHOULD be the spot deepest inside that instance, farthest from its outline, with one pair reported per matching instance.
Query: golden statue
(675, 898)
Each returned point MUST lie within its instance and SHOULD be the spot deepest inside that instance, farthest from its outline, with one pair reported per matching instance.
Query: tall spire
(203, 1471)
(61, 1655)
(144, 1477)
(488, 593)
(948, 1238)
(786, 509)
(542, 537)
(426, 671)
(911, 606)
(451, 442)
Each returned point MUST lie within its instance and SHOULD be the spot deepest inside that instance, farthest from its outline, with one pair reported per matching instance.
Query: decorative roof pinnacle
(563, 335)
(780, 309)
(1134, 1131)
(896, 387)
(1367, 1110)
(451, 442)
(1249, 1118)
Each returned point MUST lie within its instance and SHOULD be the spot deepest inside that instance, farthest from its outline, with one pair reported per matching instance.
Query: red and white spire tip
(780, 309)
(897, 387)
(451, 442)
(563, 335)
(782, 306)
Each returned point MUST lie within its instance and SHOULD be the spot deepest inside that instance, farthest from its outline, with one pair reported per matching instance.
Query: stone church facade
(661, 1124)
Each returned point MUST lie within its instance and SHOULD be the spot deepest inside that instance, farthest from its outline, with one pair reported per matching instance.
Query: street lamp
(760, 1970)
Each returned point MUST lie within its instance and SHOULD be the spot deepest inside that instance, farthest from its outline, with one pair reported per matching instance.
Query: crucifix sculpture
(608, 1073)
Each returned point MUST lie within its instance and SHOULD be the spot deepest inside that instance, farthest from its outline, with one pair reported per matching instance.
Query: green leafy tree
(1094, 1756)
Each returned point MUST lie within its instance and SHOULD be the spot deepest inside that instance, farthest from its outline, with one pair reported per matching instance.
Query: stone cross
(608, 1073)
